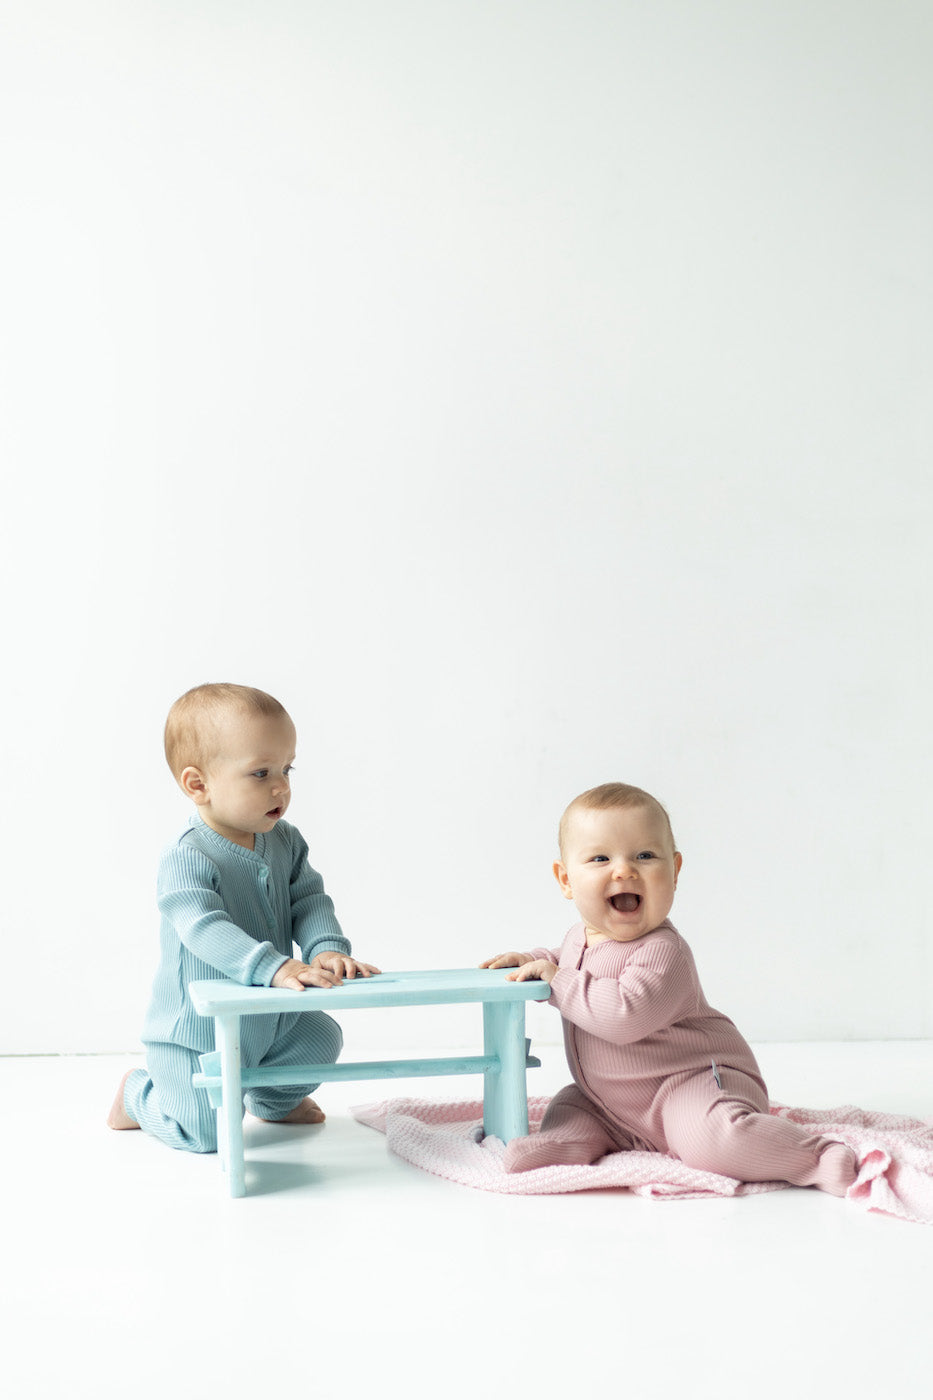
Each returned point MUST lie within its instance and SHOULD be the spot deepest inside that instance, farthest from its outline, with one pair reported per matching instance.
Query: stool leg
(505, 1097)
(230, 1114)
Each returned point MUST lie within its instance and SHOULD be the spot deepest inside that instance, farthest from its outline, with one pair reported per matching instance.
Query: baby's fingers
(297, 982)
(528, 972)
(366, 970)
(318, 977)
(506, 960)
(291, 984)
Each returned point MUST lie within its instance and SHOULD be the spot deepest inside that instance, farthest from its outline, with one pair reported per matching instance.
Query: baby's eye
(261, 773)
(289, 769)
(646, 855)
(598, 859)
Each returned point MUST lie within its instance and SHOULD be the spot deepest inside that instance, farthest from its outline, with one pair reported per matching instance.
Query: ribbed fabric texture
(229, 912)
(634, 1016)
(657, 1069)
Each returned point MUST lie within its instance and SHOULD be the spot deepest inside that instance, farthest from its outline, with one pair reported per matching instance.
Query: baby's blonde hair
(609, 795)
(193, 725)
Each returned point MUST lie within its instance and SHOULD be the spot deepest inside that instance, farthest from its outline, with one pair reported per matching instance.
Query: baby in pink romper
(655, 1068)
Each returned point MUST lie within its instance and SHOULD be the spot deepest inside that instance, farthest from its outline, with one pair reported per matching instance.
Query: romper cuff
(559, 983)
(267, 967)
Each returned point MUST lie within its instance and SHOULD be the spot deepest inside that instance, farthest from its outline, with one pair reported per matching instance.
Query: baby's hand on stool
(507, 960)
(297, 975)
(539, 970)
(343, 966)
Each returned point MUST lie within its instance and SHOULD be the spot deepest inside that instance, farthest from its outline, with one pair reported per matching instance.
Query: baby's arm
(655, 989)
(189, 898)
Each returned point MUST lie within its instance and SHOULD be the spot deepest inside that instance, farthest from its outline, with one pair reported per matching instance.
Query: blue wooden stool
(503, 1061)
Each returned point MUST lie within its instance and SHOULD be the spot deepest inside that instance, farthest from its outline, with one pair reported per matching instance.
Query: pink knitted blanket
(895, 1156)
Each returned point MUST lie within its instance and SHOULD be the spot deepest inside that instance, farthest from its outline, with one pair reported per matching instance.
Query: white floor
(346, 1272)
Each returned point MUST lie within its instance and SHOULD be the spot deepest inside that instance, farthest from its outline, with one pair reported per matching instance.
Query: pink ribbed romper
(657, 1069)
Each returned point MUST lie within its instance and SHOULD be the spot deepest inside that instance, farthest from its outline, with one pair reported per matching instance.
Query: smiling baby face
(619, 867)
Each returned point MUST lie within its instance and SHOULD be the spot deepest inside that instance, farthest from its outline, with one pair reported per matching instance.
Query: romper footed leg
(835, 1170)
(570, 1135)
(731, 1132)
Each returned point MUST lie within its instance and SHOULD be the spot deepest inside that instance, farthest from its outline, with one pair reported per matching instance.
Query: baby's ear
(191, 782)
(563, 879)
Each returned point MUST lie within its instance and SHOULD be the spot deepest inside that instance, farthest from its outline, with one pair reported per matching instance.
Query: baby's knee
(191, 1129)
(195, 1119)
(200, 1137)
(195, 1124)
(167, 1106)
(710, 1141)
(328, 1039)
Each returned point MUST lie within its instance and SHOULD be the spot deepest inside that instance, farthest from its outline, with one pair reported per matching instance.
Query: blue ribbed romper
(229, 912)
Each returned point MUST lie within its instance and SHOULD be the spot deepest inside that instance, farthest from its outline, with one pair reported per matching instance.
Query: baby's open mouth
(276, 812)
(625, 903)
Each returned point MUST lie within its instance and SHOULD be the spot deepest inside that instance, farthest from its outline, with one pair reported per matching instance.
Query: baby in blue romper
(236, 894)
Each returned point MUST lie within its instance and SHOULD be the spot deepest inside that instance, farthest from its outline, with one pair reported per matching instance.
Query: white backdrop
(529, 393)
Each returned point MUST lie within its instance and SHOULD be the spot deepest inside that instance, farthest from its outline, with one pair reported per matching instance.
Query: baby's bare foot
(118, 1117)
(305, 1112)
